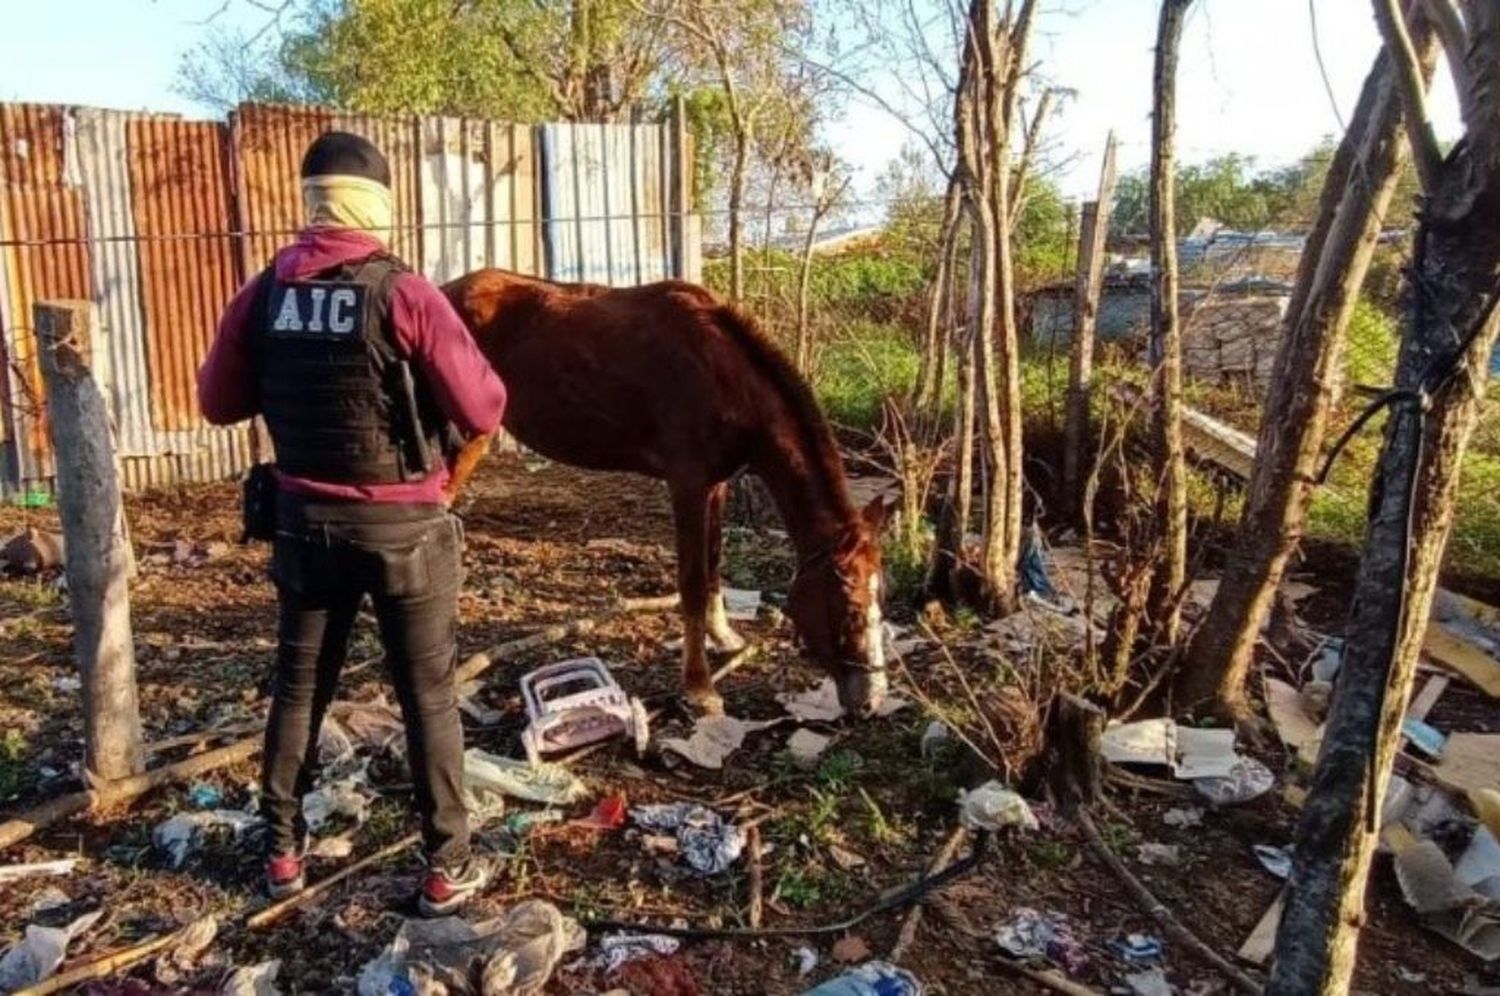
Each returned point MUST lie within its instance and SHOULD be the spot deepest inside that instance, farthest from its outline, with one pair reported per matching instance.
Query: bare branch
(1427, 156)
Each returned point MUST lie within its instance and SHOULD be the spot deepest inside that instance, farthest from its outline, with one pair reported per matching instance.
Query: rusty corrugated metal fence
(158, 220)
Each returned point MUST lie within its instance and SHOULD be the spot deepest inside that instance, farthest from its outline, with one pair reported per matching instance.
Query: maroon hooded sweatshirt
(429, 331)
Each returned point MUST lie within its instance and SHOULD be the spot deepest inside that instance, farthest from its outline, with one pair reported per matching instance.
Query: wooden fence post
(98, 557)
(680, 197)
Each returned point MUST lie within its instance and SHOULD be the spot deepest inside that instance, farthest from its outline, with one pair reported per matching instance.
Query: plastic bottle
(873, 978)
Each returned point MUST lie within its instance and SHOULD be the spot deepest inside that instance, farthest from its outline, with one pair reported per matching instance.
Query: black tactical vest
(342, 404)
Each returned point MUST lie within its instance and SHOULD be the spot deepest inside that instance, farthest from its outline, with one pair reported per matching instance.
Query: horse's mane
(772, 364)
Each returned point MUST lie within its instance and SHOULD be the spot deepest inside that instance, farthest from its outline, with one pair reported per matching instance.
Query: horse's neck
(809, 493)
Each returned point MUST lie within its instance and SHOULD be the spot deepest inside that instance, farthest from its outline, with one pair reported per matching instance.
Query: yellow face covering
(348, 202)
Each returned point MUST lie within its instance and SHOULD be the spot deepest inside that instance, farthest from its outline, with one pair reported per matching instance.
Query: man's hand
(463, 466)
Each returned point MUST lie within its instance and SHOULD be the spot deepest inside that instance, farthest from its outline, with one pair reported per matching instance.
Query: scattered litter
(183, 957)
(1183, 817)
(708, 842)
(32, 551)
(1276, 860)
(204, 796)
(806, 747)
(850, 949)
(1445, 905)
(37, 955)
(1204, 753)
(936, 734)
(1479, 867)
(713, 739)
(332, 848)
(1407, 975)
(1471, 762)
(1137, 948)
(610, 813)
(514, 953)
(1150, 741)
(873, 978)
(1326, 667)
(373, 725)
(520, 824)
(14, 873)
(616, 950)
(845, 858)
(899, 644)
(253, 980)
(341, 798)
(488, 779)
(992, 806)
(575, 703)
(1151, 983)
(741, 605)
(1423, 737)
(1032, 934)
(50, 898)
(1246, 780)
(469, 704)
(182, 834)
(660, 843)
(1300, 733)
(821, 704)
(1159, 854)
(67, 683)
(806, 959)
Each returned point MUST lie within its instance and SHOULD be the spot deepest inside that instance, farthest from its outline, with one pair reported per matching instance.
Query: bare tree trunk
(929, 389)
(1357, 193)
(953, 524)
(736, 215)
(1093, 236)
(97, 552)
(1166, 331)
(1029, 151)
(1444, 362)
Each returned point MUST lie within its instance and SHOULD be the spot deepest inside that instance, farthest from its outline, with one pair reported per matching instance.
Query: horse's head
(834, 603)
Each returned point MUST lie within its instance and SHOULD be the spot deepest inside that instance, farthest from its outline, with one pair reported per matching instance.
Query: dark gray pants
(326, 559)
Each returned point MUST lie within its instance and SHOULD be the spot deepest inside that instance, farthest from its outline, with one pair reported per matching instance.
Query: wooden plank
(1261, 943)
(1452, 651)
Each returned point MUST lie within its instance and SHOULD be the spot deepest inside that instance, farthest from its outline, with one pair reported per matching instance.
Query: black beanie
(339, 153)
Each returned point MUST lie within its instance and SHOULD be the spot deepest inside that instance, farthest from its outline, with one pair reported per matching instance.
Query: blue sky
(1249, 79)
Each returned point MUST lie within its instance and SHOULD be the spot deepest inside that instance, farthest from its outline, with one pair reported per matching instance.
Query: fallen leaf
(851, 949)
(845, 858)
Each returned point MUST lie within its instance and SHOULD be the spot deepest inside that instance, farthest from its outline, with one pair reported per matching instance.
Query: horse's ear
(875, 515)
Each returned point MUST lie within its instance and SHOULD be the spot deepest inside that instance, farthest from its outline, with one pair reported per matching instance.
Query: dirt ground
(547, 544)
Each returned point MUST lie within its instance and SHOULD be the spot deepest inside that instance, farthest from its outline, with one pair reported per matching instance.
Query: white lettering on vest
(316, 325)
(339, 321)
(288, 320)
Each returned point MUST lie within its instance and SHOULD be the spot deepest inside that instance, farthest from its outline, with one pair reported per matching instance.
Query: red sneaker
(284, 875)
(444, 890)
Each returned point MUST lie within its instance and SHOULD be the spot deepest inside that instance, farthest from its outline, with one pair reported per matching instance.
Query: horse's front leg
(690, 506)
(719, 631)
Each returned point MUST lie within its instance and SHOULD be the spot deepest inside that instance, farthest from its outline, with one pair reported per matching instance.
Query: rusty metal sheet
(183, 214)
(267, 143)
(45, 258)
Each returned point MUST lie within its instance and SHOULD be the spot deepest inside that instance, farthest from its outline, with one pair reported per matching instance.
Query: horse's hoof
(706, 703)
(727, 641)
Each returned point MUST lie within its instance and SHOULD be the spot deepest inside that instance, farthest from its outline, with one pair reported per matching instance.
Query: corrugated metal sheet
(144, 214)
(605, 202)
(183, 214)
(43, 204)
(267, 142)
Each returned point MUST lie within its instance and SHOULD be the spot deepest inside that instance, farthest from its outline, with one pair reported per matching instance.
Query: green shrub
(861, 367)
(1373, 340)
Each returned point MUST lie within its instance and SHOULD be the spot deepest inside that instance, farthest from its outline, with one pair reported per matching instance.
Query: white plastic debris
(332, 848)
(1149, 983)
(713, 739)
(1183, 817)
(619, 949)
(1150, 741)
(346, 797)
(182, 834)
(821, 704)
(933, 736)
(514, 953)
(1276, 860)
(183, 956)
(1189, 752)
(253, 980)
(806, 747)
(37, 956)
(741, 605)
(992, 806)
(488, 779)
(1247, 780)
(1159, 854)
(806, 959)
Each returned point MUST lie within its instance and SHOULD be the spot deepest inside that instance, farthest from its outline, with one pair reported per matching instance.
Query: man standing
(362, 371)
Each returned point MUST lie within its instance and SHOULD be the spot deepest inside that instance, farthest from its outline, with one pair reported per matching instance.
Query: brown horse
(666, 380)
